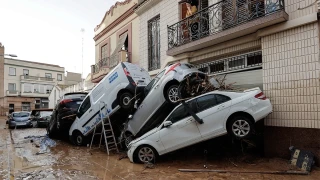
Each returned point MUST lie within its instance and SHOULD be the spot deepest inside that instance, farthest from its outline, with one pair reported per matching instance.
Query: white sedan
(217, 113)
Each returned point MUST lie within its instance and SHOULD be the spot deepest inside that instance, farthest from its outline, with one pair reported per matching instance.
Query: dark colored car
(65, 113)
(41, 117)
(19, 119)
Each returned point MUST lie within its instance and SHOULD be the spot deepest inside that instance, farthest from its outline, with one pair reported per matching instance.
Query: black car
(41, 117)
(64, 113)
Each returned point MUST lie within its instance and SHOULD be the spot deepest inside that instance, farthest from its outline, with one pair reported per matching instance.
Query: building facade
(271, 44)
(116, 39)
(26, 85)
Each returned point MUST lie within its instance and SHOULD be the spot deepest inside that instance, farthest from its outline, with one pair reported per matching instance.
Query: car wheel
(52, 130)
(240, 127)
(125, 101)
(128, 139)
(172, 94)
(145, 154)
(78, 138)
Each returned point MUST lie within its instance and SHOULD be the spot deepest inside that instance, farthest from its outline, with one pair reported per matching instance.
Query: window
(12, 71)
(59, 77)
(216, 67)
(153, 83)
(84, 107)
(27, 88)
(254, 59)
(181, 112)
(25, 106)
(42, 89)
(48, 75)
(236, 63)
(11, 86)
(154, 43)
(49, 89)
(36, 88)
(221, 98)
(26, 72)
(206, 102)
(105, 51)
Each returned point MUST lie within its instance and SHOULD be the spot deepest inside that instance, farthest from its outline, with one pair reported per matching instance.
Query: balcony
(223, 21)
(12, 93)
(34, 94)
(105, 65)
(27, 78)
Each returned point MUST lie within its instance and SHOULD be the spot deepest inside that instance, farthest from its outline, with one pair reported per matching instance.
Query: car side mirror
(167, 123)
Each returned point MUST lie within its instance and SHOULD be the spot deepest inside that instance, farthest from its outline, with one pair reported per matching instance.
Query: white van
(115, 90)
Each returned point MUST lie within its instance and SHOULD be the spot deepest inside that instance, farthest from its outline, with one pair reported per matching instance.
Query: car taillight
(126, 72)
(172, 68)
(261, 96)
(65, 101)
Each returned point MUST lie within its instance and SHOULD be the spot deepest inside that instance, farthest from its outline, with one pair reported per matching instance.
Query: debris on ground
(42, 142)
(301, 159)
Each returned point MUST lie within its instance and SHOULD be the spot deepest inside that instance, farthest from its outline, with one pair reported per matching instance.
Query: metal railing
(218, 17)
(242, 62)
(27, 77)
(109, 62)
(102, 63)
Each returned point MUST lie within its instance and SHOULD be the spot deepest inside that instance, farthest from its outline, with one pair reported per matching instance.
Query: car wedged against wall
(219, 113)
(116, 90)
(161, 95)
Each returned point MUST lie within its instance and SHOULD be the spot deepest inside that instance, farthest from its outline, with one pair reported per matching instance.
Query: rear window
(45, 113)
(21, 114)
(75, 96)
(187, 66)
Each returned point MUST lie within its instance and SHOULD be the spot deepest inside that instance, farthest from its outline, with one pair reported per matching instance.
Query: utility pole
(82, 34)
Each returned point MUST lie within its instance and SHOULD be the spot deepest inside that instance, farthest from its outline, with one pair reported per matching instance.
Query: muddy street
(22, 158)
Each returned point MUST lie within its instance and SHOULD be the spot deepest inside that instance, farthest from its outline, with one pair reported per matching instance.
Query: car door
(183, 131)
(213, 110)
(149, 105)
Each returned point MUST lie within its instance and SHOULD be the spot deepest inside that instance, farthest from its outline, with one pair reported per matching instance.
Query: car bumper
(20, 124)
(130, 152)
(263, 109)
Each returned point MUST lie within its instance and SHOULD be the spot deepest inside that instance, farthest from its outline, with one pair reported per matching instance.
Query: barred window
(154, 43)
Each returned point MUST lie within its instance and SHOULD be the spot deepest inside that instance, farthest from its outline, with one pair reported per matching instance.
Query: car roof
(20, 112)
(75, 93)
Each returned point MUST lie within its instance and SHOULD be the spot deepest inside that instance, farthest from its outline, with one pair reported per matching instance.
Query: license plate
(79, 102)
(21, 124)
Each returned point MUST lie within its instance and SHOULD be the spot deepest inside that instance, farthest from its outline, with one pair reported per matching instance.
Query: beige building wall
(1, 71)
(291, 76)
(169, 14)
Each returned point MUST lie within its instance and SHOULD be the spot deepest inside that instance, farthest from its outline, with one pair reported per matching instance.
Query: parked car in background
(64, 113)
(117, 90)
(161, 96)
(19, 119)
(219, 113)
(41, 117)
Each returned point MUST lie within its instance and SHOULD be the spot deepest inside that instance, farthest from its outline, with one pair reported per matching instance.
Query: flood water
(22, 159)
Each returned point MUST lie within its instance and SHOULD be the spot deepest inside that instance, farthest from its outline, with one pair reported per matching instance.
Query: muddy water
(19, 159)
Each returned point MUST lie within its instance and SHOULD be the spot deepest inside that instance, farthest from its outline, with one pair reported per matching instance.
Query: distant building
(72, 78)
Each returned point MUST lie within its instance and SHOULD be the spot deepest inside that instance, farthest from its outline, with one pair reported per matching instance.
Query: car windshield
(20, 114)
(152, 83)
(45, 113)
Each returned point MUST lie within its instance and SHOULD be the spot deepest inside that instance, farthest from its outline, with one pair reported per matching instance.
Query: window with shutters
(154, 43)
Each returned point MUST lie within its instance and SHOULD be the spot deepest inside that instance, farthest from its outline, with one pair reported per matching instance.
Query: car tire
(78, 138)
(124, 101)
(240, 127)
(145, 154)
(171, 94)
(52, 132)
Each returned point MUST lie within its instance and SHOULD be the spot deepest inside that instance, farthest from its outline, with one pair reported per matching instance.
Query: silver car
(161, 96)
(20, 119)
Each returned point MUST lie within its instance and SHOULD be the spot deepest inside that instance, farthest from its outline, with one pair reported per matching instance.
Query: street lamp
(11, 55)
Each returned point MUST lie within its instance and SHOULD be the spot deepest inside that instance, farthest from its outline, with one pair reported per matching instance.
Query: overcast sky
(48, 31)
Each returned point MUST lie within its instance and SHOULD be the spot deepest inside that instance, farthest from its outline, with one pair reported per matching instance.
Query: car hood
(19, 119)
(149, 133)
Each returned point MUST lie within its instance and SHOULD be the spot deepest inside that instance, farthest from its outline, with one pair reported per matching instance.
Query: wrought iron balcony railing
(102, 63)
(110, 62)
(218, 17)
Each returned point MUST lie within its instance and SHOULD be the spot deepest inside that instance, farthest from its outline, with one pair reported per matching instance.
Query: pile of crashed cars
(179, 107)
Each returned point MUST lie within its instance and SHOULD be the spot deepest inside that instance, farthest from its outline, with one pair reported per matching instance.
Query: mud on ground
(20, 159)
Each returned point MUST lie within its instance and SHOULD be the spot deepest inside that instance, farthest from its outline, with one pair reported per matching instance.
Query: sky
(48, 31)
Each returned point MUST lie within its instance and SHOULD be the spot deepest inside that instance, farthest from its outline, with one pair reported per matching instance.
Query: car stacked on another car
(19, 119)
(202, 118)
(161, 96)
(64, 113)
